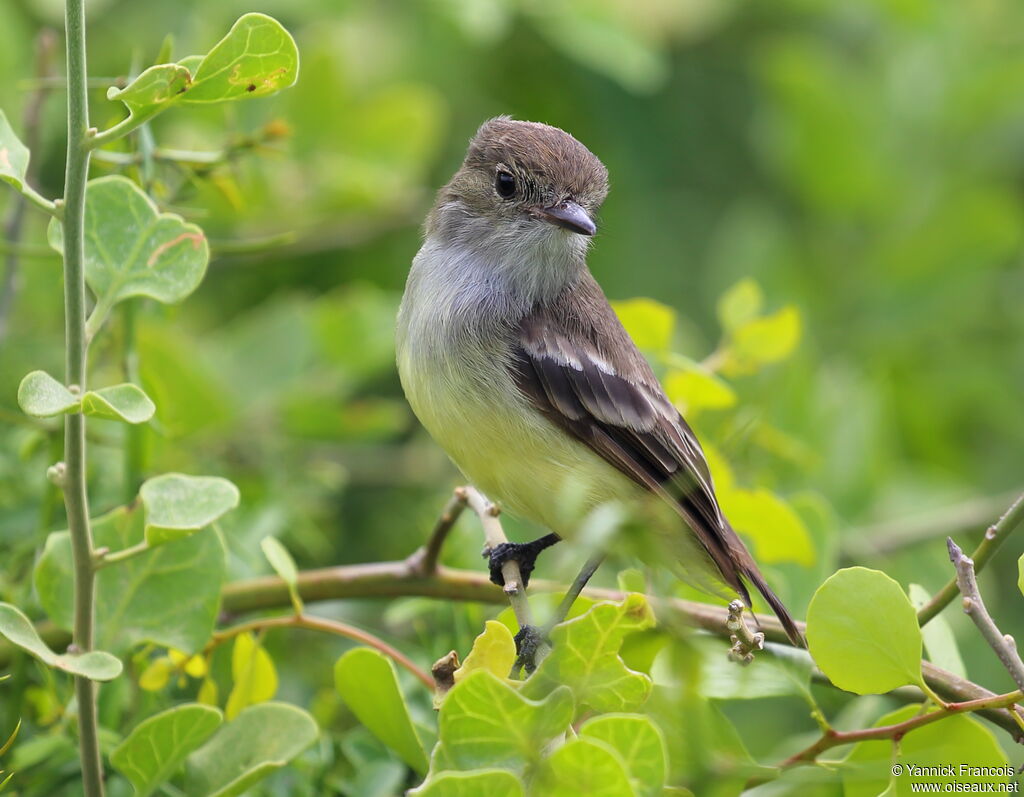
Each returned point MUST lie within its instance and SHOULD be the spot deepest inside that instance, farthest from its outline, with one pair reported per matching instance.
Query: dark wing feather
(581, 370)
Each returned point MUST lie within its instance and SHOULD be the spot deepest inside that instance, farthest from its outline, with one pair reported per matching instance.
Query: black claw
(525, 553)
(528, 640)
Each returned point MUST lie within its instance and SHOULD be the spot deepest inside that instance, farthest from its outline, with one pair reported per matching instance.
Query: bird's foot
(525, 553)
(529, 641)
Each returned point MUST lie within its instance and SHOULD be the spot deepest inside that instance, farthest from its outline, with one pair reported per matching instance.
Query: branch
(327, 626)
(424, 560)
(994, 537)
(833, 738)
(494, 534)
(974, 607)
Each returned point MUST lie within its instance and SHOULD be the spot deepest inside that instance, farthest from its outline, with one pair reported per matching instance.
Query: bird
(512, 358)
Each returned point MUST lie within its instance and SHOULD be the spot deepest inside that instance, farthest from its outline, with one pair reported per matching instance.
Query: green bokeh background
(863, 161)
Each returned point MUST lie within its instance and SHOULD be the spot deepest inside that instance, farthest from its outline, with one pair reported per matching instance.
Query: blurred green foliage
(849, 174)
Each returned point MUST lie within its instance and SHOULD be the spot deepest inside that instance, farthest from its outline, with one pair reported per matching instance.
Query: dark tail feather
(788, 623)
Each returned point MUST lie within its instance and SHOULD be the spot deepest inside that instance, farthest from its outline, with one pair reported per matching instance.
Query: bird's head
(523, 187)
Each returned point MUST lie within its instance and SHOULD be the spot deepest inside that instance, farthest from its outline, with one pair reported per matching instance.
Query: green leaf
(125, 402)
(490, 782)
(13, 155)
(585, 656)
(156, 675)
(1020, 574)
(494, 650)
(862, 632)
(158, 746)
(260, 740)
(131, 249)
(640, 744)
(584, 766)
(938, 636)
(258, 57)
(95, 665)
(154, 90)
(740, 304)
(368, 683)
(253, 673)
(776, 530)
(648, 322)
(951, 742)
(284, 566)
(178, 505)
(169, 596)
(42, 396)
(762, 341)
(484, 722)
(698, 389)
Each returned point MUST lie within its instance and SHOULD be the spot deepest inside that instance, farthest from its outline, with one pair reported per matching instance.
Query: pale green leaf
(862, 632)
(485, 723)
(260, 740)
(14, 155)
(125, 402)
(158, 746)
(169, 596)
(739, 304)
(131, 249)
(367, 682)
(153, 90)
(648, 322)
(698, 389)
(585, 656)
(284, 566)
(939, 640)
(480, 782)
(494, 650)
(952, 742)
(257, 57)
(776, 530)
(42, 396)
(584, 766)
(1020, 574)
(18, 629)
(253, 674)
(639, 742)
(178, 505)
(762, 341)
(156, 675)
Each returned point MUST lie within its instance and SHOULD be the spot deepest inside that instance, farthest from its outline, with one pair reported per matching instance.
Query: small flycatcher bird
(514, 361)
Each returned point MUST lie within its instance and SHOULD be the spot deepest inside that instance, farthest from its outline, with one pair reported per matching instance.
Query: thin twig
(994, 537)
(327, 626)
(573, 592)
(974, 607)
(424, 560)
(494, 534)
(833, 738)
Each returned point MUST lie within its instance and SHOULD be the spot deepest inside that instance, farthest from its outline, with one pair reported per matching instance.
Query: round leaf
(367, 682)
(494, 650)
(650, 323)
(262, 738)
(13, 155)
(18, 629)
(157, 746)
(42, 396)
(640, 744)
(124, 402)
(131, 249)
(153, 90)
(258, 57)
(492, 782)
(584, 766)
(178, 505)
(862, 632)
(740, 304)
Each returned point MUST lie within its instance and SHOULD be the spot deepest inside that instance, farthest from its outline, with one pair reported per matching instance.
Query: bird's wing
(578, 366)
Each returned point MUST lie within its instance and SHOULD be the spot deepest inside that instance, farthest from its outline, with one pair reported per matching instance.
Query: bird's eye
(505, 185)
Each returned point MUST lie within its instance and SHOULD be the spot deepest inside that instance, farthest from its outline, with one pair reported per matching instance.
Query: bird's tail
(777, 606)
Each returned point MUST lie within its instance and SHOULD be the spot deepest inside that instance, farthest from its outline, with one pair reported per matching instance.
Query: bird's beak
(570, 216)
